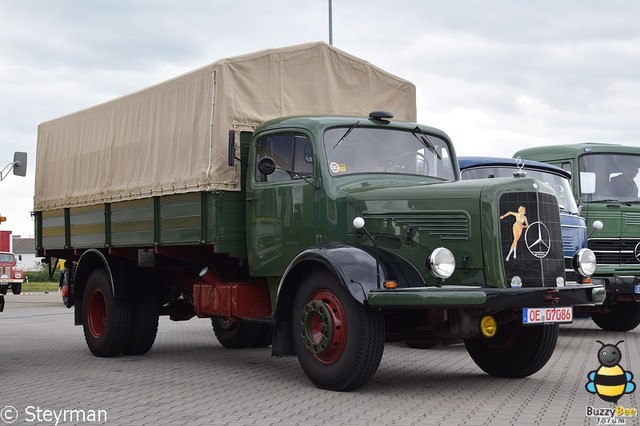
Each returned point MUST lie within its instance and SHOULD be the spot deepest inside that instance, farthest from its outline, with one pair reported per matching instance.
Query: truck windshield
(559, 184)
(6, 258)
(385, 150)
(605, 177)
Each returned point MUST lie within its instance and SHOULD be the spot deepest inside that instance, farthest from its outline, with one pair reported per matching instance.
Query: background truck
(605, 193)
(259, 192)
(10, 276)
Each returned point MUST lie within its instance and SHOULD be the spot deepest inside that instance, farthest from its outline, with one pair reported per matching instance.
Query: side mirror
(20, 164)
(266, 166)
(20, 257)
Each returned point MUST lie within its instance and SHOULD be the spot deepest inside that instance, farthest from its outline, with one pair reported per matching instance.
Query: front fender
(355, 268)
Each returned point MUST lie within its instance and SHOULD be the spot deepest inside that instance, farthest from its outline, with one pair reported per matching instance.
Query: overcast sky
(497, 76)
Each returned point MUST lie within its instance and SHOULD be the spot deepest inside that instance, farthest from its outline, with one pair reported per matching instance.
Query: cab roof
(467, 162)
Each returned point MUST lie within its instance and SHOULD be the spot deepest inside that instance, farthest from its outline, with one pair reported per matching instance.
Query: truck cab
(10, 276)
(605, 184)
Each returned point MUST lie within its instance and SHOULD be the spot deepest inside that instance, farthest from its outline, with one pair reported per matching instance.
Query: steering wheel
(391, 164)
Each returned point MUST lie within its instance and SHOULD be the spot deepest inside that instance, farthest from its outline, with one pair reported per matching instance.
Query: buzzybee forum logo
(610, 382)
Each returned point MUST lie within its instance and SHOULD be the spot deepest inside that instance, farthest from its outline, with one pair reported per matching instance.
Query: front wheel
(338, 341)
(106, 321)
(16, 288)
(515, 350)
(621, 317)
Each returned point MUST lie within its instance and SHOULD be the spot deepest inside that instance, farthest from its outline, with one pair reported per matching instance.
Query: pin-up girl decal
(519, 224)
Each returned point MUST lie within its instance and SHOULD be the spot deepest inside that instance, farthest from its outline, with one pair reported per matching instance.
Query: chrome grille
(615, 251)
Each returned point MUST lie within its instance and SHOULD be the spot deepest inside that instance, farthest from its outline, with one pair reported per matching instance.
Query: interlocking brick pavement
(188, 378)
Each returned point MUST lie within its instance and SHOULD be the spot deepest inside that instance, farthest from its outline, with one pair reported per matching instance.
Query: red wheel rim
(324, 326)
(96, 313)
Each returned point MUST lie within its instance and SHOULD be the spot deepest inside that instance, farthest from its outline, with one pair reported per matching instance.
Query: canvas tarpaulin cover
(173, 137)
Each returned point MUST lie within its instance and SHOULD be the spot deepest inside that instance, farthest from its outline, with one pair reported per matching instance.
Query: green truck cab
(605, 183)
(331, 235)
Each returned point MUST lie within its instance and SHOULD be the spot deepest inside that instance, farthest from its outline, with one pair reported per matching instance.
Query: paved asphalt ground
(48, 376)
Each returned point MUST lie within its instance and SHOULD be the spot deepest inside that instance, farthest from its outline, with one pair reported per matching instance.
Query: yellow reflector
(586, 280)
(390, 284)
(488, 326)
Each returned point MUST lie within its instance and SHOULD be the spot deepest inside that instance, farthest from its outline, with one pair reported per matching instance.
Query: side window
(292, 154)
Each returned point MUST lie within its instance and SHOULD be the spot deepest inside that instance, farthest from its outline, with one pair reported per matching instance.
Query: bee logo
(610, 381)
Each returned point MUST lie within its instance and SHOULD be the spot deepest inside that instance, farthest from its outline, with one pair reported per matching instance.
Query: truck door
(281, 216)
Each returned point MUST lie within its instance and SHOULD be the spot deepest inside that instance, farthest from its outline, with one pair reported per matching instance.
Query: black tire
(144, 327)
(338, 341)
(621, 317)
(515, 351)
(106, 321)
(16, 288)
(235, 335)
(264, 337)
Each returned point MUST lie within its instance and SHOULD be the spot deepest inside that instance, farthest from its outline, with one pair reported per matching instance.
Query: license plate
(547, 315)
(636, 290)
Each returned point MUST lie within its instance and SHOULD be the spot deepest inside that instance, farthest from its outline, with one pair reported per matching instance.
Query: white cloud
(495, 75)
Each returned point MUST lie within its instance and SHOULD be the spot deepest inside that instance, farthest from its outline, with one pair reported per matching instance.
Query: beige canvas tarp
(173, 137)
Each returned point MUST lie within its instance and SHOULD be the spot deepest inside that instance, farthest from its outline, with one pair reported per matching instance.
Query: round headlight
(584, 262)
(441, 263)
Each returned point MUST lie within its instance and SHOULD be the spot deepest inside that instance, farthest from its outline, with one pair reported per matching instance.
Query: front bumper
(619, 288)
(486, 297)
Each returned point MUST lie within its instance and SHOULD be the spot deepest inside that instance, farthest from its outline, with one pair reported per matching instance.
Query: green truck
(262, 193)
(605, 183)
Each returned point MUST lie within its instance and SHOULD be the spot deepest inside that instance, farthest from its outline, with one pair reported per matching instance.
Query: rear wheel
(235, 335)
(338, 341)
(106, 321)
(144, 327)
(515, 350)
(621, 317)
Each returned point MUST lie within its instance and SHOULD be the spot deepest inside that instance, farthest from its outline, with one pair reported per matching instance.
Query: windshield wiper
(425, 141)
(353, 126)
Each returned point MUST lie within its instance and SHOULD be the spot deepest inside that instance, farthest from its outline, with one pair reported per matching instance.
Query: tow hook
(552, 296)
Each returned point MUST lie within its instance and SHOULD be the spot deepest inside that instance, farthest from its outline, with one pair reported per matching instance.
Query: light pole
(330, 24)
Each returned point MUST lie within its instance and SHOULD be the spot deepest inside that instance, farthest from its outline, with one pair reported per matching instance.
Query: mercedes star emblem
(541, 237)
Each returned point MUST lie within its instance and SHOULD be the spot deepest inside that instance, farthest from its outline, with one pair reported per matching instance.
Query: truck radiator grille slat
(447, 226)
(631, 218)
(614, 251)
(568, 242)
